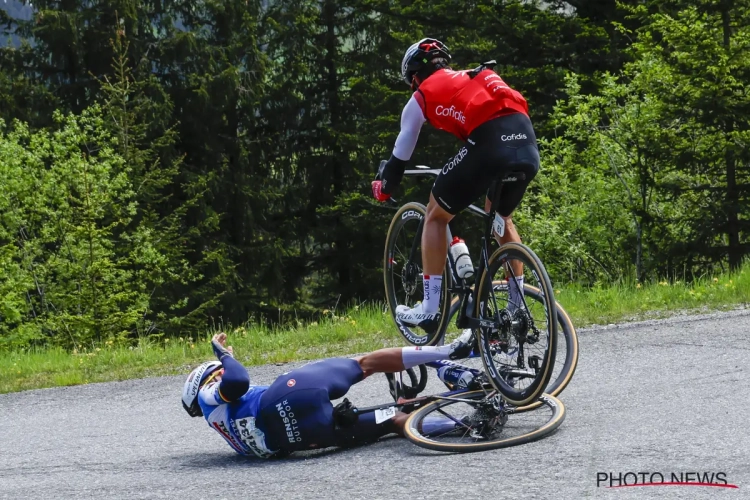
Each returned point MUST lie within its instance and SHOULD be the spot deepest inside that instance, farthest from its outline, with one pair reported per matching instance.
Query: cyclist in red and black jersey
(479, 108)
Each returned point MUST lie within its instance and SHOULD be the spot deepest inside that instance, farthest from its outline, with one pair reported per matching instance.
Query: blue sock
(515, 293)
(432, 426)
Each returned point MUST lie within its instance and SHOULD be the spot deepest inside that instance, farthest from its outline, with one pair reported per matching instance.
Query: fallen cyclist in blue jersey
(295, 412)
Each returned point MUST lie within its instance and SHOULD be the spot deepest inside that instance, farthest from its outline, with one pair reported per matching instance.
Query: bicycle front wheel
(481, 425)
(402, 273)
(518, 345)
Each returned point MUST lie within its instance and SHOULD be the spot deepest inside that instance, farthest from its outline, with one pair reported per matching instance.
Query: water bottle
(455, 377)
(460, 254)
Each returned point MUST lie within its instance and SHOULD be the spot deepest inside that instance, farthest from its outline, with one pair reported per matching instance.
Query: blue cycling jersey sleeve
(235, 381)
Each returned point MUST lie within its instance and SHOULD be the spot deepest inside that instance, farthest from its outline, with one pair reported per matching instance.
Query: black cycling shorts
(498, 146)
(296, 411)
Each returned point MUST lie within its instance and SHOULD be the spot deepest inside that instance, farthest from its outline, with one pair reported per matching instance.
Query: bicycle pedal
(535, 362)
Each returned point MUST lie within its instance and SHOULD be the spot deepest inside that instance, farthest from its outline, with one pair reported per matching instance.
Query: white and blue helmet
(193, 385)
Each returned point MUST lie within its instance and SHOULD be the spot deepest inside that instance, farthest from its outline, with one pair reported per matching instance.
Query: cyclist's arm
(412, 120)
(235, 381)
(234, 384)
(392, 171)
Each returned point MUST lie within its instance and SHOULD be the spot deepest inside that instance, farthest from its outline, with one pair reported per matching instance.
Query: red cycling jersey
(455, 102)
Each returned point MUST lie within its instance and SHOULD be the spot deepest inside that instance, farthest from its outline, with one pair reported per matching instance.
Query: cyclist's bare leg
(434, 244)
(388, 360)
(396, 359)
(391, 360)
(510, 236)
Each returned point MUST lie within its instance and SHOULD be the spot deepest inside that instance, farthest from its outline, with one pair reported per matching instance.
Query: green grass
(360, 330)
(629, 302)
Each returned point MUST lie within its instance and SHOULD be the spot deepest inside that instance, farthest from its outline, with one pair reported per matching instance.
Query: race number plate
(499, 225)
(385, 414)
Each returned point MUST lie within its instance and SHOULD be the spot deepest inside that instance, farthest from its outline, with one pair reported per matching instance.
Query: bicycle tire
(411, 212)
(520, 252)
(412, 433)
(566, 330)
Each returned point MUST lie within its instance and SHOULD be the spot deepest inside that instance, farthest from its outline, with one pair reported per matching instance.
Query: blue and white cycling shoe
(464, 345)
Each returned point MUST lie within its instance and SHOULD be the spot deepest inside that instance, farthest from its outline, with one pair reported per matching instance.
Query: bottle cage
(485, 65)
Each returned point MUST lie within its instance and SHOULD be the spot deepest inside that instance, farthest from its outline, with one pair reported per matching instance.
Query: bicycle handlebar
(423, 170)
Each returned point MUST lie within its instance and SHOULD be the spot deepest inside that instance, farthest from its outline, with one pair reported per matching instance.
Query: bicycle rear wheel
(518, 351)
(402, 273)
(483, 426)
(566, 359)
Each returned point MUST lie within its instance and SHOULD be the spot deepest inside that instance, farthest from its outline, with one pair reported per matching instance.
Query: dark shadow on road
(229, 459)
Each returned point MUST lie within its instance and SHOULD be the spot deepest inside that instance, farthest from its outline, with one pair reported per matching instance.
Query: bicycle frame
(424, 170)
(494, 330)
(465, 290)
(419, 401)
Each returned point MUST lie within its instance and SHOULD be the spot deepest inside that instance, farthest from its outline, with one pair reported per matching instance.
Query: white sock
(516, 293)
(413, 356)
(433, 286)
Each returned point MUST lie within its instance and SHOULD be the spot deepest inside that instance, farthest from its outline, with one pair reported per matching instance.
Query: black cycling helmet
(421, 55)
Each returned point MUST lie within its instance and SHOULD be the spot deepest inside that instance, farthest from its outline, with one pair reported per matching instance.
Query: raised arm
(235, 381)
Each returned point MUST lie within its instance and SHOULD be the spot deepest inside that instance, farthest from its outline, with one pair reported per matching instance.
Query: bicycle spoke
(567, 344)
(490, 426)
(401, 254)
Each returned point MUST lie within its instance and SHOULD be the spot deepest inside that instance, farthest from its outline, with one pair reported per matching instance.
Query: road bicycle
(517, 341)
(484, 419)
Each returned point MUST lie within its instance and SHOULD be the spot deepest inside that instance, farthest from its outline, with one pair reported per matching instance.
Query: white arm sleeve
(209, 394)
(412, 120)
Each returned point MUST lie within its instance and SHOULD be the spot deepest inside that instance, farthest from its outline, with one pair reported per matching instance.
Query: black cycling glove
(390, 173)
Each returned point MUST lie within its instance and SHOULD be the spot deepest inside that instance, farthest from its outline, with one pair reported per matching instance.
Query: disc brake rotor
(409, 276)
(519, 326)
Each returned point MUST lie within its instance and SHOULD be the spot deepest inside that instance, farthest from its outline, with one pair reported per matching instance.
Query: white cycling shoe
(415, 316)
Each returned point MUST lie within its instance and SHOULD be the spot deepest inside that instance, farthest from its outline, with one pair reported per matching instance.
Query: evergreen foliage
(167, 163)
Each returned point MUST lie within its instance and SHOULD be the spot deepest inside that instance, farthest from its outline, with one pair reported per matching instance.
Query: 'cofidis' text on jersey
(455, 102)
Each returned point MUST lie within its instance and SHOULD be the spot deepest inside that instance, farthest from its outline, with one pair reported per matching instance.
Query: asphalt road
(662, 396)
